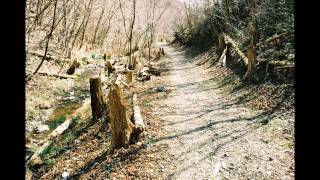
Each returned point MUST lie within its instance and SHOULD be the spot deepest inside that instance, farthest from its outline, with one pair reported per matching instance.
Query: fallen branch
(48, 57)
(275, 37)
(235, 49)
(223, 58)
(54, 75)
(137, 118)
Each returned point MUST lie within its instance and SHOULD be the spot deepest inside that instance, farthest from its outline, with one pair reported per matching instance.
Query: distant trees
(69, 25)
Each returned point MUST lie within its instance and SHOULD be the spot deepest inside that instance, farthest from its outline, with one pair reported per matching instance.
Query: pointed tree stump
(121, 126)
(97, 102)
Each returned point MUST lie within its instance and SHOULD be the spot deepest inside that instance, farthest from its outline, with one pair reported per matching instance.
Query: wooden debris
(154, 70)
(137, 118)
(61, 76)
(235, 49)
(143, 74)
(223, 58)
(274, 38)
(48, 57)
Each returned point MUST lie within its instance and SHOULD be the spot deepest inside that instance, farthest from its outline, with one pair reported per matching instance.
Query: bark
(250, 66)
(97, 102)
(222, 43)
(121, 126)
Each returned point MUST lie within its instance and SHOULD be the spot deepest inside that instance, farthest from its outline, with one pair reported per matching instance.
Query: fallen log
(137, 118)
(234, 48)
(35, 158)
(54, 75)
(48, 57)
(274, 38)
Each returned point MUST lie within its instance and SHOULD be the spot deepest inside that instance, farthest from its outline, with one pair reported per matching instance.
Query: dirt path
(209, 134)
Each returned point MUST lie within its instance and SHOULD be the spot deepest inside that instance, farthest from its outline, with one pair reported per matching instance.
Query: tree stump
(97, 102)
(162, 51)
(121, 126)
(105, 56)
(75, 64)
(134, 62)
(108, 67)
(157, 55)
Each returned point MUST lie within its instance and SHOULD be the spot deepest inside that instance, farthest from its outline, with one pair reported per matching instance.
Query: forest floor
(201, 123)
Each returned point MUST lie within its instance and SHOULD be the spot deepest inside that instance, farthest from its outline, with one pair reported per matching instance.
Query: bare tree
(47, 44)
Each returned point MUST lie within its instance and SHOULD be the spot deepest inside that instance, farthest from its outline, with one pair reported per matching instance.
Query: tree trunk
(121, 126)
(97, 102)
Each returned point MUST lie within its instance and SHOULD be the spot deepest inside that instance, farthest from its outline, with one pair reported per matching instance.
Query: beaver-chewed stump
(97, 102)
(121, 126)
(124, 131)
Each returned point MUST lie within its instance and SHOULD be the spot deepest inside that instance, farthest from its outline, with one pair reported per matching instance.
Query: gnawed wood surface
(121, 126)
